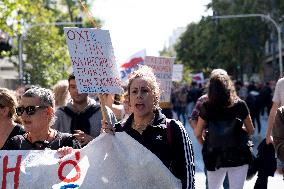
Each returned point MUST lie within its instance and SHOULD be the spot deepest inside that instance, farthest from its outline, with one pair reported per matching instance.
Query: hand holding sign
(93, 62)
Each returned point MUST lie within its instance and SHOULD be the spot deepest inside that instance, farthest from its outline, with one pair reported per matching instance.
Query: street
(273, 182)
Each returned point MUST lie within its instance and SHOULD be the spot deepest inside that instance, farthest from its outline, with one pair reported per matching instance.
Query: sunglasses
(30, 110)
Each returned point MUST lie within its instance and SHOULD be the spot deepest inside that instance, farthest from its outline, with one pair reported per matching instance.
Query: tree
(44, 47)
(236, 45)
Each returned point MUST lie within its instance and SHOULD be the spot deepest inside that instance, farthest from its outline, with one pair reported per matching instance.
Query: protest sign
(177, 72)
(107, 162)
(197, 77)
(162, 68)
(93, 60)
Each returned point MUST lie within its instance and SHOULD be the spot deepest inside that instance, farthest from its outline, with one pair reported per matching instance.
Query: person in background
(278, 101)
(149, 127)
(222, 106)
(194, 118)
(126, 107)
(37, 112)
(167, 109)
(278, 136)
(117, 109)
(192, 95)
(8, 128)
(61, 93)
(81, 116)
(265, 98)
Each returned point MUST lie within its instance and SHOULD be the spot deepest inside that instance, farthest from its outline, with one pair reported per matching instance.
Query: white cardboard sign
(163, 68)
(93, 60)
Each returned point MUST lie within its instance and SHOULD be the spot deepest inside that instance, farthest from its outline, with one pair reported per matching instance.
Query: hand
(269, 139)
(107, 128)
(82, 137)
(65, 150)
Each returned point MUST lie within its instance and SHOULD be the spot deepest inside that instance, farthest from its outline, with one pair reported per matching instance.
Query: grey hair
(46, 97)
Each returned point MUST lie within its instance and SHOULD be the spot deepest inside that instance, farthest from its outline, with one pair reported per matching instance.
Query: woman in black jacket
(167, 139)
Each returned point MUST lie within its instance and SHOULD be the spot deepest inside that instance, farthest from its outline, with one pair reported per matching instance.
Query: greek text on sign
(93, 60)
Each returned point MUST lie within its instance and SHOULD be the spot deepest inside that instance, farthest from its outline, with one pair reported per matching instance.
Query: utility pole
(21, 38)
(267, 17)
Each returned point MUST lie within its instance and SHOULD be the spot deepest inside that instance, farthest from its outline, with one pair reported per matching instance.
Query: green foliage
(236, 45)
(44, 47)
(47, 59)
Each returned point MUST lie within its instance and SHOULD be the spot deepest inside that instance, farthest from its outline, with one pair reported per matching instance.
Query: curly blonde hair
(148, 75)
(8, 98)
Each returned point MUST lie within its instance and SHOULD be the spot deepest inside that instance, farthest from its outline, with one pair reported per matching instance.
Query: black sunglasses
(30, 110)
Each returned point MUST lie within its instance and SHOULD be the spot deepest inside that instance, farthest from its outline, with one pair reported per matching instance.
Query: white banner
(163, 68)
(93, 60)
(107, 162)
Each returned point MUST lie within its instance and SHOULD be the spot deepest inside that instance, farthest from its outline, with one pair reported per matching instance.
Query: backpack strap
(170, 141)
(169, 132)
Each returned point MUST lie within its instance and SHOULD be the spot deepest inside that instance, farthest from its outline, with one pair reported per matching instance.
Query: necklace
(142, 127)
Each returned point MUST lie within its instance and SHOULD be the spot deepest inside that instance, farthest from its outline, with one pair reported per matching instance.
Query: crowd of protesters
(67, 118)
(258, 97)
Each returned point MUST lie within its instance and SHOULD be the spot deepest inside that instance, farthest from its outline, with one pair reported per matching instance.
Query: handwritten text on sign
(93, 60)
(162, 68)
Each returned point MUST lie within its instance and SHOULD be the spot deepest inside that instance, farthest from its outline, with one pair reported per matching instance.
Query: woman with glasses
(37, 112)
(8, 128)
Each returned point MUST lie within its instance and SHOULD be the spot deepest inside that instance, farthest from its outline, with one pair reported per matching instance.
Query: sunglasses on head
(30, 110)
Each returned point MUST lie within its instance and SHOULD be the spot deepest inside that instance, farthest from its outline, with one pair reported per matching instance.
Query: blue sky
(145, 24)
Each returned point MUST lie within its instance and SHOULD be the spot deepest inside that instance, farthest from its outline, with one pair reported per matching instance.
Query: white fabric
(237, 177)
(107, 162)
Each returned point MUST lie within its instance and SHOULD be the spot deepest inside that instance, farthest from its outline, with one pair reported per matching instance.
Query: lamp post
(20, 45)
(267, 17)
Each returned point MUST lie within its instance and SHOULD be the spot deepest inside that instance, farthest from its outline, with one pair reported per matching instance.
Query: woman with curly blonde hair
(8, 127)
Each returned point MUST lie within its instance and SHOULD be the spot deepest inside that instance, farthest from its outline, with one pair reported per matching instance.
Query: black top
(176, 153)
(17, 130)
(20, 142)
(239, 109)
(230, 138)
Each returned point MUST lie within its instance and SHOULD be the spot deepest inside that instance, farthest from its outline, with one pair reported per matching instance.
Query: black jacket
(176, 153)
(265, 160)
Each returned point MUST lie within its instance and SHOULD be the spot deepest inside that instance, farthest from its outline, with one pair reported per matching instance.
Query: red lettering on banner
(7, 170)
(76, 166)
